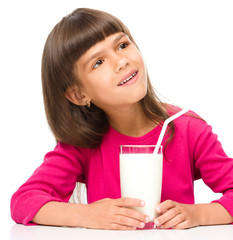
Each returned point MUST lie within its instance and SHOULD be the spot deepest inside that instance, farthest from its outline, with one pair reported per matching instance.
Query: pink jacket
(193, 153)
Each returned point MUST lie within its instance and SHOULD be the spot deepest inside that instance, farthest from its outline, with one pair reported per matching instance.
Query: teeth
(127, 79)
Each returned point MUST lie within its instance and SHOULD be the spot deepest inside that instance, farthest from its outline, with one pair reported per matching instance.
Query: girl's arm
(180, 216)
(103, 214)
(210, 163)
(212, 214)
(53, 181)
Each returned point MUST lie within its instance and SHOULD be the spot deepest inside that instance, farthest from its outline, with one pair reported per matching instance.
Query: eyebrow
(118, 38)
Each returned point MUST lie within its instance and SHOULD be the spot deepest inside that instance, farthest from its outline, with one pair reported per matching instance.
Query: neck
(130, 121)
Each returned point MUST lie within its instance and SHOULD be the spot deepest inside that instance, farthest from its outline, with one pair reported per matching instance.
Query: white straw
(166, 122)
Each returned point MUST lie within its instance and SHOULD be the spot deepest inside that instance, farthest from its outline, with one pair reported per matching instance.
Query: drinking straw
(166, 122)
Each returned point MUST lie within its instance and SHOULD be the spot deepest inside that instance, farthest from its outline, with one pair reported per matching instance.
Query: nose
(121, 62)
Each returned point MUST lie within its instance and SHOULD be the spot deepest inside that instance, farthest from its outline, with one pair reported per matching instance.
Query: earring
(88, 103)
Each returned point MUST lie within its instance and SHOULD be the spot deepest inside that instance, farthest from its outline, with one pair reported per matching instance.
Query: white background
(187, 46)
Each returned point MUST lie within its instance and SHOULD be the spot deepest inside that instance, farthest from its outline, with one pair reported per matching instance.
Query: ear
(74, 95)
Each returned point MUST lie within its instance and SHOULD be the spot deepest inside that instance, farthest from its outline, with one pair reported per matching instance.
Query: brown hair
(70, 38)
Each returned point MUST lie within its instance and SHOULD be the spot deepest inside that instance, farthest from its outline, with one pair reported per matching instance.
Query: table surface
(19, 232)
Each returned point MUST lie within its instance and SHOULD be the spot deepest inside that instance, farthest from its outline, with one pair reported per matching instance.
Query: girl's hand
(114, 214)
(176, 215)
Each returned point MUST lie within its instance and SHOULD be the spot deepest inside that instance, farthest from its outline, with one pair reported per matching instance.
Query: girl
(98, 96)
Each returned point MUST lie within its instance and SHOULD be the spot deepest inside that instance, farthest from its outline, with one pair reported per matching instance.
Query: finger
(183, 225)
(164, 206)
(178, 219)
(173, 212)
(134, 215)
(115, 226)
(126, 221)
(129, 202)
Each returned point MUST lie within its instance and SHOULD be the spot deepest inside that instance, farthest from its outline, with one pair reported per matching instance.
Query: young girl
(98, 96)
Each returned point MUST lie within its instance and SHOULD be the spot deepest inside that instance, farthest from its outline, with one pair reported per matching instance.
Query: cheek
(137, 57)
(141, 60)
(98, 86)
(136, 54)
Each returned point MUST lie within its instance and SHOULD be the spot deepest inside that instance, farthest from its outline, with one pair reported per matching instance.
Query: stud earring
(88, 103)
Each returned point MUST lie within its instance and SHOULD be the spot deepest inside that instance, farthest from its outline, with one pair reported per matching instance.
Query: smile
(128, 79)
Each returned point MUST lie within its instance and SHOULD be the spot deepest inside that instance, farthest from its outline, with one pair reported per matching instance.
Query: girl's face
(112, 73)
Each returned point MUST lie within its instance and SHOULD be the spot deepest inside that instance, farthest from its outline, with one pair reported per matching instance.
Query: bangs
(82, 29)
(72, 37)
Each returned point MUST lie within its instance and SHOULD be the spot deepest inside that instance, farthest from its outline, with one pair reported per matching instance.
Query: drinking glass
(141, 175)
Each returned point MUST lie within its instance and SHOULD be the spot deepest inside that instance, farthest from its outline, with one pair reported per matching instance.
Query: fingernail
(142, 225)
(147, 219)
(142, 203)
(158, 209)
(156, 223)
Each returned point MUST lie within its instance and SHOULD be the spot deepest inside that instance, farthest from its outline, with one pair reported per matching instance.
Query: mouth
(129, 78)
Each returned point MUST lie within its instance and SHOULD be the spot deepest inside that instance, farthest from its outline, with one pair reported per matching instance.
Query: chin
(140, 96)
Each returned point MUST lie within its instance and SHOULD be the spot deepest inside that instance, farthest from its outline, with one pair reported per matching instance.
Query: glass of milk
(141, 176)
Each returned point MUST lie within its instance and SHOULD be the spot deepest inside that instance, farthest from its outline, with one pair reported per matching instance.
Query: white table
(20, 232)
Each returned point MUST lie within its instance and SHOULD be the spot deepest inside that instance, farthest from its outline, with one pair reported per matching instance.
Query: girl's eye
(123, 45)
(98, 63)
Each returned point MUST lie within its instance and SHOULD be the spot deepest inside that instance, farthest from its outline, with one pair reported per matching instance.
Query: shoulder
(190, 122)
(186, 117)
(69, 151)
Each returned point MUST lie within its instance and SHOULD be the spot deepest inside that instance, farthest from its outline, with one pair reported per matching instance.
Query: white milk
(141, 177)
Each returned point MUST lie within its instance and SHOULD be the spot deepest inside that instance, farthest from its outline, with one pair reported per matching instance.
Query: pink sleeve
(212, 164)
(54, 180)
